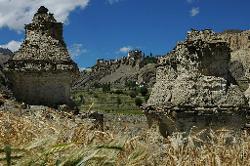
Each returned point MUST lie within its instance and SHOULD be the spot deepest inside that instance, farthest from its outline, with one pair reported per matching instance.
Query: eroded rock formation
(195, 79)
(41, 71)
(239, 42)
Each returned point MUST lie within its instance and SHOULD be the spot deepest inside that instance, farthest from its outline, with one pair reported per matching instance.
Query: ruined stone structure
(194, 87)
(135, 56)
(41, 71)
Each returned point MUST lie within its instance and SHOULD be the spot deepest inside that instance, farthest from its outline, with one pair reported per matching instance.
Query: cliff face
(196, 73)
(240, 58)
(196, 87)
(237, 40)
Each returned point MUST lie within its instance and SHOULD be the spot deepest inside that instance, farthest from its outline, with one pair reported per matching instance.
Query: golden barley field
(51, 138)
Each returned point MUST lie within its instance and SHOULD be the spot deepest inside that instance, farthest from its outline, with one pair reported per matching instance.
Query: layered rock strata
(41, 71)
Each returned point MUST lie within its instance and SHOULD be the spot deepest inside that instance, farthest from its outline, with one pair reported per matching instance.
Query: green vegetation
(143, 90)
(132, 94)
(138, 101)
(131, 84)
(103, 98)
(149, 59)
(114, 101)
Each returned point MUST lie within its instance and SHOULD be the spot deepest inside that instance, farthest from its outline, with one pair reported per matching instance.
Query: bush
(149, 59)
(95, 95)
(96, 85)
(143, 90)
(106, 87)
(146, 97)
(118, 92)
(82, 100)
(131, 84)
(138, 101)
(118, 101)
(132, 94)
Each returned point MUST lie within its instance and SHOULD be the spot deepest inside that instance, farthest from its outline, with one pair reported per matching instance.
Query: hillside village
(120, 110)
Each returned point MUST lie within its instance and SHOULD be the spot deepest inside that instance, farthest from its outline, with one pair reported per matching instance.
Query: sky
(108, 29)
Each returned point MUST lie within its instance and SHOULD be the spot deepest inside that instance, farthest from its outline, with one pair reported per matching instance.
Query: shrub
(118, 92)
(146, 97)
(105, 87)
(95, 95)
(132, 94)
(149, 59)
(138, 101)
(118, 101)
(131, 84)
(143, 90)
(82, 100)
(96, 85)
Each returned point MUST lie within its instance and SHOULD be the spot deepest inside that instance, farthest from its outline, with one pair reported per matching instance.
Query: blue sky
(108, 28)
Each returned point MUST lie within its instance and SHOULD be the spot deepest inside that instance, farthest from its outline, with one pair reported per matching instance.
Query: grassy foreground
(50, 138)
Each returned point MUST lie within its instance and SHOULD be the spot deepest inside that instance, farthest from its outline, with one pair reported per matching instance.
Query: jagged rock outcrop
(41, 71)
(195, 78)
(135, 67)
(5, 55)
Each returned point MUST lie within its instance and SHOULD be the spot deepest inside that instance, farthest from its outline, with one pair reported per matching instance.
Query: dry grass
(49, 138)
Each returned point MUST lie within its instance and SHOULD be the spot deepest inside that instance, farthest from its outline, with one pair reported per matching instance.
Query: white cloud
(76, 50)
(125, 49)
(194, 11)
(111, 2)
(190, 1)
(12, 45)
(15, 13)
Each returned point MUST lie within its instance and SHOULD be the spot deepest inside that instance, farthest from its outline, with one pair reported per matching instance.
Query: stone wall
(40, 88)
